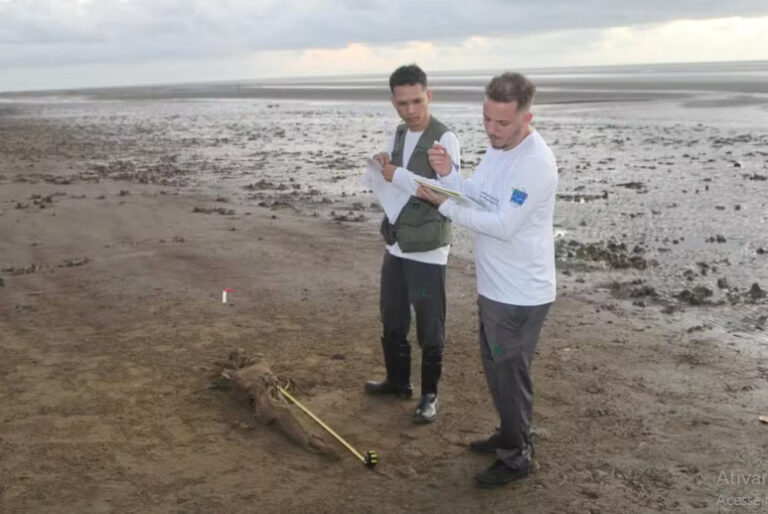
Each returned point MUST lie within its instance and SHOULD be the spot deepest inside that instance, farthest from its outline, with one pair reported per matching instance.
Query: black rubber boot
(426, 410)
(402, 369)
(431, 369)
(397, 361)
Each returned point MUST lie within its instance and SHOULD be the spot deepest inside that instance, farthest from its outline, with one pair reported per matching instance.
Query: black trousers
(406, 283)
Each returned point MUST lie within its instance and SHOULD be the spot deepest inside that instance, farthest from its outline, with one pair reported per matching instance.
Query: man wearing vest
(418, 241)
(515, 261)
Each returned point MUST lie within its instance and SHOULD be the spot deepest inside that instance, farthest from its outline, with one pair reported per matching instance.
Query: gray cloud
(56, 32)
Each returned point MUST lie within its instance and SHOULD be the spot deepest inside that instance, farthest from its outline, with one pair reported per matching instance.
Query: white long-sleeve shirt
(514, 242)
(404, 180)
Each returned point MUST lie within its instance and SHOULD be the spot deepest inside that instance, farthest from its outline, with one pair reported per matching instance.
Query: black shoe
(426, 411)
(385, 387)
(487, 445)
(490, 443)
(499, 474)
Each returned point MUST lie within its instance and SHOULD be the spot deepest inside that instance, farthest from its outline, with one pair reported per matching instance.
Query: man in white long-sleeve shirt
(418, 241)
(515, 261)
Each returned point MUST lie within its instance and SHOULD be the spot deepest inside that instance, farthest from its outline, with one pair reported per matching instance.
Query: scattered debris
(670, 309)
(21, 270)
(696, 296)
(261, 185)
(615, 255)
(755, 292)
(214, 210)
(251, 379)
(581, 198)
(637, 186)
(633, 289)
(349, 217)
(70, 263)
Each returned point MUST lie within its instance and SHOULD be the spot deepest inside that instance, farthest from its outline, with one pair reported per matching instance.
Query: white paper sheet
(391, 198)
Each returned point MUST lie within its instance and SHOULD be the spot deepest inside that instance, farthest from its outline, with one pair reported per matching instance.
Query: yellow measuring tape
(371, 460)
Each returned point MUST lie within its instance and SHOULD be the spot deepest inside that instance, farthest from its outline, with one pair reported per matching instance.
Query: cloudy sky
(52, 44)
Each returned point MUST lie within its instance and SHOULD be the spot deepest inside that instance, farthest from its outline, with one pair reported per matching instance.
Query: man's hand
(388, 171)
(382, 158)
(440, 160)
(431, 196)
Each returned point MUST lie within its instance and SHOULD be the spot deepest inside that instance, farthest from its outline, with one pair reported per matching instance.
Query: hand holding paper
(435, 186)
(392, 199)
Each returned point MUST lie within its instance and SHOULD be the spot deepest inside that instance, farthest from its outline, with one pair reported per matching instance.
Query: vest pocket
(420, 227)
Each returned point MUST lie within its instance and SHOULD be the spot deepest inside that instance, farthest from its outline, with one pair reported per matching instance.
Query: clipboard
(438, 188)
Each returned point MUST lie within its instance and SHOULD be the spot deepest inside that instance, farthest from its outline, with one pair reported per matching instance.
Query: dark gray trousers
(404, 283)
(508, 337)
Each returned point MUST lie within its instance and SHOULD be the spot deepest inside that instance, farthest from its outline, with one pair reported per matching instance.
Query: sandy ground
(111, 321)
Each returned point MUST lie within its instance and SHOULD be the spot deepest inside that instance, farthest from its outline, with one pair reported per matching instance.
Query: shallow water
(667, 177)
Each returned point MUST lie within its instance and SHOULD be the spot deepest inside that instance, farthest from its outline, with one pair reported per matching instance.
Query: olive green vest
(419, 227)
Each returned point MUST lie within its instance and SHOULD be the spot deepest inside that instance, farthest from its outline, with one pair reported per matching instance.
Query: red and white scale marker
(224, 295)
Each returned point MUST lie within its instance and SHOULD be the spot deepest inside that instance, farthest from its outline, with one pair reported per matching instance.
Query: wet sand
(121, 222)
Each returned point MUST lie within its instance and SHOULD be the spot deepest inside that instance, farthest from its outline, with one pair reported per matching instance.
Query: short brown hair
(511, 87)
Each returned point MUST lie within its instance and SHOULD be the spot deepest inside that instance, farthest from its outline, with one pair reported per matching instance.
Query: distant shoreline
(566, 85)
(346, 94)
(548, 93)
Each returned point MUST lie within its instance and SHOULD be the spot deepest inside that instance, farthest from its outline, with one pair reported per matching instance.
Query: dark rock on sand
(214, 210)
(615, 255)
(350, 217)
(261, 185)
(71, 263)
(21, 270)
(696, 296)
(722, 283)
(755, 292)
(637, 186)
(43, 201)
(633, 289)
(578, 197)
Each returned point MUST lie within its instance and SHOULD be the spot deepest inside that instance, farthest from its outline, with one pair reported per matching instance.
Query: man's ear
(528, 116)
(429, 95)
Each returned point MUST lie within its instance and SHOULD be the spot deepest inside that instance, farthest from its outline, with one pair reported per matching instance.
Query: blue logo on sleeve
(518, 197)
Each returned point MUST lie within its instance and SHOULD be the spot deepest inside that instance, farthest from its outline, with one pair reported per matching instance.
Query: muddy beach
(121, 221)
